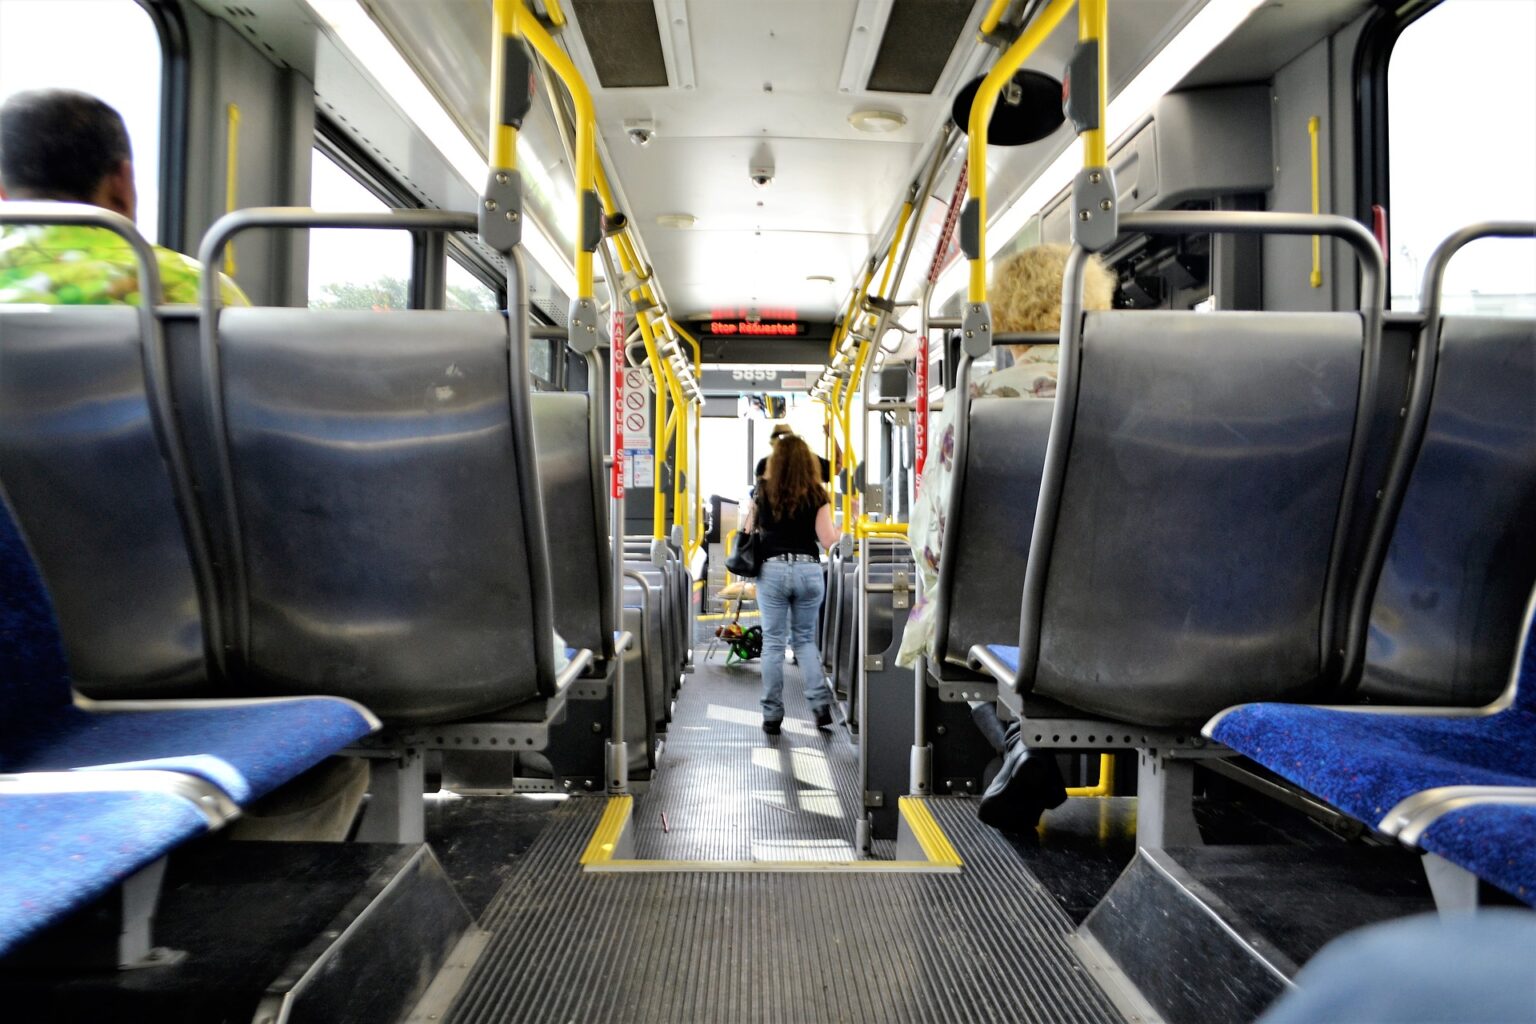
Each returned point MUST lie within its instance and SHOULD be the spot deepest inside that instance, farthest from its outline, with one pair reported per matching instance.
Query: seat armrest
(216, 807)
(983, 660)
(577, 665)
(623, 640)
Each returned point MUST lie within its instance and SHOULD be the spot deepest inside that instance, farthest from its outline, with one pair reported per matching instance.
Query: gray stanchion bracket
(976, 329)
(1095, 209)
(584, 333)
(501, 210)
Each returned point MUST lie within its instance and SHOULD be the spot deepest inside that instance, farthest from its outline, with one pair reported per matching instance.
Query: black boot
(1028, 784)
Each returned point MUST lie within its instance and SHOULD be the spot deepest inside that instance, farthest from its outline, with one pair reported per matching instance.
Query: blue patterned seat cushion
(59, 852)
(1496, 842)
(1365, 764)
(247, 750)
(1008, 655)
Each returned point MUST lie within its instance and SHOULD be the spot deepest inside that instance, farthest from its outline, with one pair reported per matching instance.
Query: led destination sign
(753, 329)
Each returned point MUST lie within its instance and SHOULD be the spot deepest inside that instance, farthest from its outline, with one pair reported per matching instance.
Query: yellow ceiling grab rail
(589, 229)
(1094, 200)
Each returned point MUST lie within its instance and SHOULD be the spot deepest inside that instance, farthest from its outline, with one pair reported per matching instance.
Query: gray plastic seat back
(993, 513)
(86, 471)
(383, 520)
(578, 557)
(1203, 483)
(1462, 560)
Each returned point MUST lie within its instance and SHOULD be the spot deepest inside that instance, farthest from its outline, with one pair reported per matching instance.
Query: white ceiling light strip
(357, 33)
(676, 43)
(1212, 24)
(864, 36)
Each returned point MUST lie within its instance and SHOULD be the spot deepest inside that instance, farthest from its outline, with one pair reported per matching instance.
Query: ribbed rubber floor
(727, 791)
(983, 945)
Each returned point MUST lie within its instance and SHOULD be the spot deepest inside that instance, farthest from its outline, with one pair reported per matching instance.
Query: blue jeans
(789, 596)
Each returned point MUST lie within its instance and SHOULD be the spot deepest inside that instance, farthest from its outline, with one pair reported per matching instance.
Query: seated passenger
(1471, 969)
(64, 146)
(1025, 296)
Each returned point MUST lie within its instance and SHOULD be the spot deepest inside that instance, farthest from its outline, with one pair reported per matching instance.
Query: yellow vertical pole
(1316, 278)
(659, 496)
(1093, 24)
(586, 132)
(231, 175)
(503, 136)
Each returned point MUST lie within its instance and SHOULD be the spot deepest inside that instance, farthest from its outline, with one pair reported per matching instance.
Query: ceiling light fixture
(877, 121)
(679, 221)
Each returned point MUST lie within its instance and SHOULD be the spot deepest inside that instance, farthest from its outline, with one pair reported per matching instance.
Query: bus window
(466, 291)
(108, 48)
(354, 269)
(1461, 99)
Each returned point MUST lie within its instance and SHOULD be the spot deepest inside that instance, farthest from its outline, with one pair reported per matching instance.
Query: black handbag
(747, 558)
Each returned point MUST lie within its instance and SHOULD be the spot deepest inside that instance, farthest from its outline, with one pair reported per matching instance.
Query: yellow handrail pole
(1093, 24)
(231, 175)
(503, 136)
(586, 133)
(556, 15)
(850, 460)
(865, 527)
(890, 257)
(679, 466)
(849, 312)
(981, 116)
(990, 20)
(665, 383)
(696, 531)
(658, 496)
(1105, 785)
(1316, 277)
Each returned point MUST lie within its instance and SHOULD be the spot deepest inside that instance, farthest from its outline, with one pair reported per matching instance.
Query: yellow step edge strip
(772, 867)
(940, 853)
(936, 845)
(610, 829)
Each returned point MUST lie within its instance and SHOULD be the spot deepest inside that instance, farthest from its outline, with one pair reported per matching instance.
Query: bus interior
(373, 653)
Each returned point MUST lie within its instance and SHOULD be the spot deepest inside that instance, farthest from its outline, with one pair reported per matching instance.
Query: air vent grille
(625, 42)
(919, 37)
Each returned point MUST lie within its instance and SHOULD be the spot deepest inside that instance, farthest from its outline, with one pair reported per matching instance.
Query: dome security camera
(640, 132)
(761, 177)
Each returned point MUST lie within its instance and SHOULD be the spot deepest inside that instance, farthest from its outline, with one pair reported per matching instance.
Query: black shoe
(771, 728)
(1027, 785)
(824, 717)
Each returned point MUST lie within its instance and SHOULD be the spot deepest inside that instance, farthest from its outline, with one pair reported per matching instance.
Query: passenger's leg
(1028, 784)
(809, 587)
(773, 595)
(984, 714)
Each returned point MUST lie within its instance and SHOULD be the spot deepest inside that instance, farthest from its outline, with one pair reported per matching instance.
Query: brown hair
(1026, 292)
(793, 478)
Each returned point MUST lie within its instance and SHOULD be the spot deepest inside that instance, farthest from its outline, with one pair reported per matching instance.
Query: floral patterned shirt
(70, 265)
(1033, 375)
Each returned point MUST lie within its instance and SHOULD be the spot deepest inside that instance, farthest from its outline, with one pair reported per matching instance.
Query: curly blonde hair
(1026, 290)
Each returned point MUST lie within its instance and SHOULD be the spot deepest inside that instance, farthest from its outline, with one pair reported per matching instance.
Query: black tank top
(795, 535)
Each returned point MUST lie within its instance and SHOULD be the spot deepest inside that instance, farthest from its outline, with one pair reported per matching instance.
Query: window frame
(1373, 157)
(175, 116)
